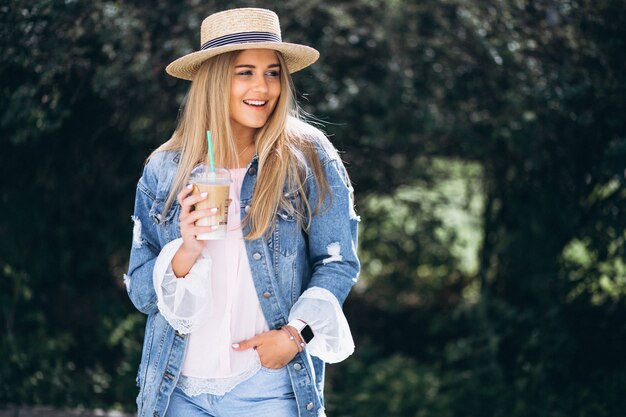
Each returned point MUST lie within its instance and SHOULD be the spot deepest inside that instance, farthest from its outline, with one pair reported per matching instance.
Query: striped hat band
(239, 29)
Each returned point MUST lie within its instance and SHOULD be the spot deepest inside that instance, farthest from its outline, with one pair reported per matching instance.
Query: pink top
(235, 315)
(216, 305)
(211, 365)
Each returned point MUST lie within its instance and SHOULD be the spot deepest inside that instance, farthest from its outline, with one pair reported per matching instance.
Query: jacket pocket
(287, 231)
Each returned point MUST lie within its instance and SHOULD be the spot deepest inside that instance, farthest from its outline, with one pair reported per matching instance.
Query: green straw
(210, 142)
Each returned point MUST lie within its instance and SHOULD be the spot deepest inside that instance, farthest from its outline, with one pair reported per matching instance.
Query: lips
(256, 103)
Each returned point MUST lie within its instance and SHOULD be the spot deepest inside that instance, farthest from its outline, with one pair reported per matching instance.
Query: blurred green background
(487, 145)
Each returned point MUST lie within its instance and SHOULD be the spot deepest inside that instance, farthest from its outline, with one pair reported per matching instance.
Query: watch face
(307, 333)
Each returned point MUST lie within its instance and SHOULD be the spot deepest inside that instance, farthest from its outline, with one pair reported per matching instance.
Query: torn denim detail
(353, 215)
(137, 242)
(127, 282)
(334, 250)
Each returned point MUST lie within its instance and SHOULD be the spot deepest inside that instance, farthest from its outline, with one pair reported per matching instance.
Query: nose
(260, 84)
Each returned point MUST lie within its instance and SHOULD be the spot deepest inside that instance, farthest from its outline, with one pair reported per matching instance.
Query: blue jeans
(266, 394)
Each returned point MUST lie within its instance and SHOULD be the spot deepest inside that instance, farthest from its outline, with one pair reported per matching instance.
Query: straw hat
(238, 29)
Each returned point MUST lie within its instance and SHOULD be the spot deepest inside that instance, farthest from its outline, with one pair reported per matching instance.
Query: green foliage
(385, 386)
(484, 369)
(439, 220)
(486, 141)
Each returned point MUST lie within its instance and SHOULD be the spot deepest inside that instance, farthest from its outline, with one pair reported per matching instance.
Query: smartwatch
(302, 328)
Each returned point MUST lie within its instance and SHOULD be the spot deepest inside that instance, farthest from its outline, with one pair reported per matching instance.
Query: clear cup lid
(203, 173)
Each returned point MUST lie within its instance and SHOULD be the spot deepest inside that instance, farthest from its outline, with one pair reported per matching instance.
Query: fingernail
(235, 345)
(189, 187)
(214, 210)
(204, 194)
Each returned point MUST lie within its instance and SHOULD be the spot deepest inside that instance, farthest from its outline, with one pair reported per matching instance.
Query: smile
(255, 103)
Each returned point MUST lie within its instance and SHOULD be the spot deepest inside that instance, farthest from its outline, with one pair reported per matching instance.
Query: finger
(185, 206)
(245, 344)
(184, 193)
(195, 198)
(198, 214)
(189, 233)
(193, 231)
(191, 218)
(187, 203)
(199, 230)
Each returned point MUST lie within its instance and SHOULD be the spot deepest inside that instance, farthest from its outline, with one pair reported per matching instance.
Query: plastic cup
(217, 186)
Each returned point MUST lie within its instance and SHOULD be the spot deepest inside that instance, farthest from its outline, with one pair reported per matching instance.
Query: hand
(191, 248)
(274, 348)
(188, 218)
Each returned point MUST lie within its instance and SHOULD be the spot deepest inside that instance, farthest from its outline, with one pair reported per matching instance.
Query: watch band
(302, 328)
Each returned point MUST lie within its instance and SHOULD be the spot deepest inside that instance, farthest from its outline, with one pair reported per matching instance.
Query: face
(254, 91)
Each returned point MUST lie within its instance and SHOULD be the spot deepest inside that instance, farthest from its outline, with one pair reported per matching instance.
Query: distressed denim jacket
(283, 266)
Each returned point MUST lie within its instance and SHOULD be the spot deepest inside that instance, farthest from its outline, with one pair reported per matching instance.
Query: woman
(243, 326)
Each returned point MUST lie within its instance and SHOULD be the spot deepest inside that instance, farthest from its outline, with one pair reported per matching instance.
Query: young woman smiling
(244, 325)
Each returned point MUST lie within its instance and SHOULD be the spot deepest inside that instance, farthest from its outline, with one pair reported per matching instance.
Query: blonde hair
(285, 146)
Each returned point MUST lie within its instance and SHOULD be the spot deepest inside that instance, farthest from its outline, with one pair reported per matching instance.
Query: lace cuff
(320, 309)
(183, 302)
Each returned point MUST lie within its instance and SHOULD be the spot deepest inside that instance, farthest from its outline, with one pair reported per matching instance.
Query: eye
(273, 74)
(245, 72)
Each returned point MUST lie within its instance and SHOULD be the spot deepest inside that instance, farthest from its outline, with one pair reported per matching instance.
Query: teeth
(255, 102)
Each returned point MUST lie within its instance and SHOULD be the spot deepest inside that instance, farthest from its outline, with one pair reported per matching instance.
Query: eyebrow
(253, 66)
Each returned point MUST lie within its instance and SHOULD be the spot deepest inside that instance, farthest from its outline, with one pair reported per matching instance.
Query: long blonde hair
(285, 146)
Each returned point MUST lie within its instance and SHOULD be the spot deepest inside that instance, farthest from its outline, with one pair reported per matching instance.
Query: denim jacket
(283, 266)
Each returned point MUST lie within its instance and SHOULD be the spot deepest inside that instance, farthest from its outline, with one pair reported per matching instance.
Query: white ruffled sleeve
(319, 308)
(183, 302)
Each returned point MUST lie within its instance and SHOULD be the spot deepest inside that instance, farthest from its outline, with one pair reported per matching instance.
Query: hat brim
(296, 57)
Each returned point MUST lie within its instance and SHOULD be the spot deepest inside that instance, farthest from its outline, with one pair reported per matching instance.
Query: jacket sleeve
(145, 247)
(332, 234)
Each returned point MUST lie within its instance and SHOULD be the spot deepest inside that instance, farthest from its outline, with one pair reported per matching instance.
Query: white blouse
(216, 304)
